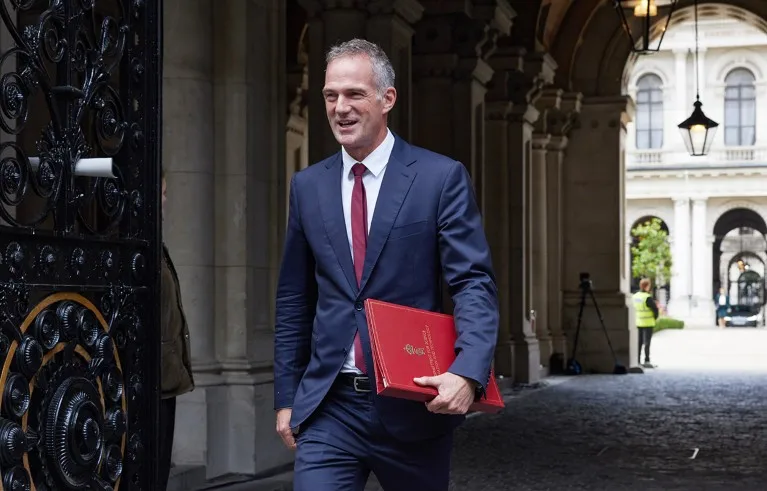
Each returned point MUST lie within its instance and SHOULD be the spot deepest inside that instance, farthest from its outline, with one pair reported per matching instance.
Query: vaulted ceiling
(586, 40)
(584, 36)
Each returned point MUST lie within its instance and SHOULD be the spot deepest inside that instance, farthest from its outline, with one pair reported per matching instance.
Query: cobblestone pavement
(629, 432)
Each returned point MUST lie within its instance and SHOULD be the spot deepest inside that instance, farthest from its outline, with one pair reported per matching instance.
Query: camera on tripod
(573, 367)
(585, 284)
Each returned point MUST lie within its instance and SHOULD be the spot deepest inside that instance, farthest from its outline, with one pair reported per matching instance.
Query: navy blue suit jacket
(426, 226)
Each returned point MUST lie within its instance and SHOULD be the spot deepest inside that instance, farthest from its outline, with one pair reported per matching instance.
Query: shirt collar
(376, 161)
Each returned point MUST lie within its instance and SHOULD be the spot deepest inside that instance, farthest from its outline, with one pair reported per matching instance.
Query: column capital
(315, 7)
(699, 201)
(612, 105)
(520, 76)
(680, 200)
(559, 110)
(557, 143)
(410, 10)
(468, 28)
(541, 141)
(523, 113)
(456, 39)
(548, 102)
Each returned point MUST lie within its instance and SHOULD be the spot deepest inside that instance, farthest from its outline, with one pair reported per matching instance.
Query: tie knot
(358, 169)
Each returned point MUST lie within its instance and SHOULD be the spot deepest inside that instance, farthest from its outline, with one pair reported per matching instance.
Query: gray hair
(383, 72)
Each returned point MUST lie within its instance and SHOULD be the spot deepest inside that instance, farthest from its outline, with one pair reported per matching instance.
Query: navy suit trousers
(344, 440)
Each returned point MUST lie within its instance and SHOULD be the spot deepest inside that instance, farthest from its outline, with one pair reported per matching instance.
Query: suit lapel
(396, 183)
(332, 209)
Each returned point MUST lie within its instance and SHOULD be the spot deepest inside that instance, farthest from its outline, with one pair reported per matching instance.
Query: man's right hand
(283, 428)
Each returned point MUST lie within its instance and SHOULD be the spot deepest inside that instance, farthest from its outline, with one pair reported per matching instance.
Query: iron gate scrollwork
(79, 244)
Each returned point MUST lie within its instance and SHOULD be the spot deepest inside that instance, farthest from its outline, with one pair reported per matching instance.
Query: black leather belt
(360, 383)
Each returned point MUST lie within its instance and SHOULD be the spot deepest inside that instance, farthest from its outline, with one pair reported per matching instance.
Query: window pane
(748, 113)
(656, 119)
(731, 113)
(747, 92)
(643, 96)
(731, 136)
(739, 76)
(656, 96)
(643, 139)
(649, 81)
(748, 135)
(657, 139)
(731, 93)
(643, 117)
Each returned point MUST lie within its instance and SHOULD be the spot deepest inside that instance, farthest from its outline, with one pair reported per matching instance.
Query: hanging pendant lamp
(698, 130)
(646, 13)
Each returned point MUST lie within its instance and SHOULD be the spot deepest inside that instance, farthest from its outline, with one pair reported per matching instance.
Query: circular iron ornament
(63, 410)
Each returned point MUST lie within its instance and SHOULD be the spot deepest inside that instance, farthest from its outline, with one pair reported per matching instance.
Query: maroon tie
(359, 244)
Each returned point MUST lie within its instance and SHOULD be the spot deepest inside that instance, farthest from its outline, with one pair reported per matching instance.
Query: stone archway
(745, 278)
(593, 52)
(662, 289)
(739, 234)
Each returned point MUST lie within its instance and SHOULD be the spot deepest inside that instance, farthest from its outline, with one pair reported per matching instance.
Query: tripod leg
(602, 322)
(578, 326)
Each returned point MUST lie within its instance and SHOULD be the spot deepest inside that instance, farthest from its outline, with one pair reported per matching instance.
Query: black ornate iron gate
(79, 243)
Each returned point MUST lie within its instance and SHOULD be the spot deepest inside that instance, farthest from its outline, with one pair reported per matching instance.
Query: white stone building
(714, 205)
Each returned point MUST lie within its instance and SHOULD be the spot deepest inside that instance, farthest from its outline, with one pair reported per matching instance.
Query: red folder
(408, 343)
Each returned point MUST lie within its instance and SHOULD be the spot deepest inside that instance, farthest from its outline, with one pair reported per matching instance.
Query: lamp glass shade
(645, 22)
(698, 131)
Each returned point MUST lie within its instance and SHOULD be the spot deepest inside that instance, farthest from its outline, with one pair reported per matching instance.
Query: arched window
(649, 112)
(739, 108)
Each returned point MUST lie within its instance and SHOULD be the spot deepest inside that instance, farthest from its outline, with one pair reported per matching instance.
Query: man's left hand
(456, 393)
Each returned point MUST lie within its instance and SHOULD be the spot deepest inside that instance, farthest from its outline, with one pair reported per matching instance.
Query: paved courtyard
(677, 428)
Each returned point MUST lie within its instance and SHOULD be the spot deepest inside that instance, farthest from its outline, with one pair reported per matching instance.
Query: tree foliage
(651, 252)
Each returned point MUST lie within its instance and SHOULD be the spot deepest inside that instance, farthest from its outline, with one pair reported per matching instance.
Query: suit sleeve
(468, 271)
(295, 308)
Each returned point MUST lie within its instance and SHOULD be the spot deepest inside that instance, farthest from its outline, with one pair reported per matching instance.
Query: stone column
(548, 104)
(496, 191)
(558, 123)
(518, 79)
(702, 263)
(593, 217)
(386, 23)
(451, 46)
(683, 102)
(679, 305)
(188, 160)
(248, 138)
(540, 243)
(390, 26)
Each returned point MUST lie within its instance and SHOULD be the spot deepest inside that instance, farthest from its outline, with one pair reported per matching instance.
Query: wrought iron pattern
(79, 254)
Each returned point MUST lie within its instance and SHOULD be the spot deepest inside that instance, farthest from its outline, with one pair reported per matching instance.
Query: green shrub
(668, 323)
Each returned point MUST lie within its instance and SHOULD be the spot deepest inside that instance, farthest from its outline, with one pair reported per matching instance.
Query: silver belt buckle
(356, 381)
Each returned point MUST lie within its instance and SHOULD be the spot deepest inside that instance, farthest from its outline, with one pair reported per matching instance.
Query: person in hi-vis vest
(646, 313)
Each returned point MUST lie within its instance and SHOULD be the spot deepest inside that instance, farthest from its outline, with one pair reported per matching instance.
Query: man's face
(164, 197)
(356, 114)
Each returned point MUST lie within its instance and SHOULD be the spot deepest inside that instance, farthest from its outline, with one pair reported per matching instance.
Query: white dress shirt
(371, 179)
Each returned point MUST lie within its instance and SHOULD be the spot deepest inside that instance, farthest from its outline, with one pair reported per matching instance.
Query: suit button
(358, 305)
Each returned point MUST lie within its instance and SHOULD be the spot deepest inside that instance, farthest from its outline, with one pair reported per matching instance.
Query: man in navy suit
(386, 220)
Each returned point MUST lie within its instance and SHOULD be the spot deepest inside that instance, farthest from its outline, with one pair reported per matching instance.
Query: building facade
(713, 205)
(531, 95)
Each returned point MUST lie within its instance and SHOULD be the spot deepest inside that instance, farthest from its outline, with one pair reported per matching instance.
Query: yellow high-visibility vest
(644, 316)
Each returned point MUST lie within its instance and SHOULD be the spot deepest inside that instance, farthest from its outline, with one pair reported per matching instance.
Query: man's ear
(389, 98)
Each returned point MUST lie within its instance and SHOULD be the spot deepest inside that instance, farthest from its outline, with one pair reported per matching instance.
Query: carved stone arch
(739, 58)
(649, 69)
(593, 57)
(719, 211)
(665, 215)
